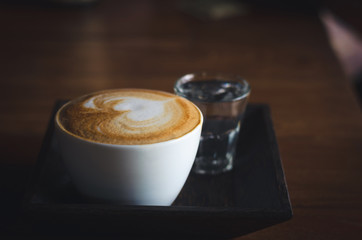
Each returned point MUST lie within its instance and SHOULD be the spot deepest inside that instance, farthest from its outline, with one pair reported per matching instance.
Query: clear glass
(222, 99)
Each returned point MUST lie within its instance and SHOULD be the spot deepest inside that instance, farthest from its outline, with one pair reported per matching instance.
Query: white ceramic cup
(150, 174)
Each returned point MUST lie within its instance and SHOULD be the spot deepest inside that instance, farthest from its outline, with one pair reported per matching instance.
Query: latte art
(129, 116)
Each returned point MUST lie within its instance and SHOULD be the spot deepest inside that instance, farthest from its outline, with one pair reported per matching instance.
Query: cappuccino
(129, 117)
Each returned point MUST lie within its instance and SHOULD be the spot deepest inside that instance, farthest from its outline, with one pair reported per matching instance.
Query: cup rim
(206, 76)
(65, 131)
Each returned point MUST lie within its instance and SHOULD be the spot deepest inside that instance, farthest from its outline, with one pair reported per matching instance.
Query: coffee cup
(129, 146)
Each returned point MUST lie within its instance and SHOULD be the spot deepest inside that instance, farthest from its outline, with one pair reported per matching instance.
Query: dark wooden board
(250, 197)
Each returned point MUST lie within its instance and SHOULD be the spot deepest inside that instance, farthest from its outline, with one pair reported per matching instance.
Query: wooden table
(51, 53)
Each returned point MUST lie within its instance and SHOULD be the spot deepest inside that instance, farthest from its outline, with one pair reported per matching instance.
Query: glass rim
(203, 76)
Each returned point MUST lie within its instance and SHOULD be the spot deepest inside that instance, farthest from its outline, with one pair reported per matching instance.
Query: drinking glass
(222, 99)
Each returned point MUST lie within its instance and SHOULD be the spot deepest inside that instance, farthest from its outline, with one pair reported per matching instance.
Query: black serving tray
(250, 197)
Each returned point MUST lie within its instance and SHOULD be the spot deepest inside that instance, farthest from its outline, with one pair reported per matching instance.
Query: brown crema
(129, 117)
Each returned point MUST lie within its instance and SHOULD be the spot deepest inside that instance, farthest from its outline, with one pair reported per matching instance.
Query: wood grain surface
(49, 53)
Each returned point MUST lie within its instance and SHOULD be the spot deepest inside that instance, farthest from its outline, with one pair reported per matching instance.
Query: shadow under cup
(149, 174)
(222, 98)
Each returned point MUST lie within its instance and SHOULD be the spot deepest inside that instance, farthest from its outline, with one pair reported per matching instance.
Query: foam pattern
(129, 116)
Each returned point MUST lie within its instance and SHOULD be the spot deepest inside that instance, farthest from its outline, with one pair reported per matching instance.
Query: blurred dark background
(341, 19)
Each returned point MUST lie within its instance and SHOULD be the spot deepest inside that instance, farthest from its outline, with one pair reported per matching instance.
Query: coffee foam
(129, 117)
